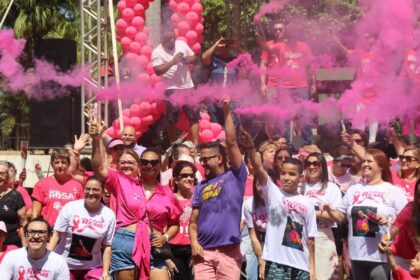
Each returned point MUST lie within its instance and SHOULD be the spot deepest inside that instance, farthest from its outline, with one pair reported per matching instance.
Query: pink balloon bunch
(208, 131)
(188, 22)
(133, 36)
(140, 116)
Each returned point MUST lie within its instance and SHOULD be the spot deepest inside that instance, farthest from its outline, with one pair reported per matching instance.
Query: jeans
(247, 251)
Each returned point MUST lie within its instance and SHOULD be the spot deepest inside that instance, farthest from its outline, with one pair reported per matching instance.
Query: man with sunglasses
(217, 202)
(35, 261)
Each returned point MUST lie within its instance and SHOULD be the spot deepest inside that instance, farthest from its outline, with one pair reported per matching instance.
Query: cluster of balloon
(188, 22)
(209, 131)
(140, 116)
(133, 36)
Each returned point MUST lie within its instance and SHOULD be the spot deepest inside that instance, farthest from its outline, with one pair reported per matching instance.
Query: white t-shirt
(361, 204)
(330, 195)
(344, 182)
(257, 218)
(84, 234)
(17, 265)
(291, 221)
(178, 76)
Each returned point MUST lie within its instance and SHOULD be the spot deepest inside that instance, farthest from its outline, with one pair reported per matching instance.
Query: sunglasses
(186, 175)
(407, 158)
(345, 165)
(206, 159)
(153, 162)
(282, 158)
(312, 163)
(279, 29)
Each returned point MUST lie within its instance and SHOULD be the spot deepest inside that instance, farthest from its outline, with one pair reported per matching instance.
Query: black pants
(182, 260)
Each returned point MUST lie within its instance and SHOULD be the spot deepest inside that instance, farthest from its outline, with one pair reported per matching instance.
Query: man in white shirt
(35, 261)
(171, 60)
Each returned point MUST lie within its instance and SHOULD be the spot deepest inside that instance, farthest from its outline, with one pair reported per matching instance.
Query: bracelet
(166, 237)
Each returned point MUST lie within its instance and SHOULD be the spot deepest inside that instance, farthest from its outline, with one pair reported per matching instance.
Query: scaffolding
(94, 23)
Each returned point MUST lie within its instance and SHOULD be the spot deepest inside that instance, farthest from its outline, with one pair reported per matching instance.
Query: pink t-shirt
(272, 64)
(407, 186)
(26, 197)
(411, 66)
(182, 237)
(54, 195)
(402, 274)
(7, 248)
(249, 186)
(366, 73)
(405, 245)
(294, 61)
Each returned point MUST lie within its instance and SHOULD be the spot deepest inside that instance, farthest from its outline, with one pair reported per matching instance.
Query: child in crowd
(399, 273)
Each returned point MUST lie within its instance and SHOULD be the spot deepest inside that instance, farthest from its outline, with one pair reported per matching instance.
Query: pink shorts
(221, 263)
(86, 274)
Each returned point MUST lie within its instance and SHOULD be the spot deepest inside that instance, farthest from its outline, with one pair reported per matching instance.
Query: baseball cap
(3, 227)
(115, 142)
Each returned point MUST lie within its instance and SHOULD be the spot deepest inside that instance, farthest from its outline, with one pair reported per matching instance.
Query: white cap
(3, 227)
(185, 157)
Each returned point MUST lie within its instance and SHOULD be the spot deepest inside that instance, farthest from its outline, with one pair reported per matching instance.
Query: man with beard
(128, 136)
(215, 220)
(35, 261)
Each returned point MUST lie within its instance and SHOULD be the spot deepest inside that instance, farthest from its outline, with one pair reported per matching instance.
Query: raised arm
(208, 54)
(358, 150)
(393, 137)
(98, 151)
(230, 130)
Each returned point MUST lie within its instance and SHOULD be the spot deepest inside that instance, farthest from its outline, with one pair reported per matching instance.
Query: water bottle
(38, 171)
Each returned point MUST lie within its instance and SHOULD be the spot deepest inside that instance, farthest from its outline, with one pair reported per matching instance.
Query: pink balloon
(191, 37)
(148, 120)
(136, 123)
(137, 22)
(135, 110)
(199, 28)
(204, 116)
(197, 7)
(121, 24)
(128, 14)
(135, 47)
(149, 69)
(196, 47)
(173, 5)
(146, 30)
(206, 135)
(138, 134)
(221, 136)
(183, 27)
(131, 3)
(121, 6)
(145, 109)
(192, 18)
(204, 124)
(143, 61)
(125, 42)
(138, 10)
(146, 51)
(141, 37)
(175, 19)
(116, 124)
(183, 8)
(154, 106)
(126, 120)
(154, 79)
(131, 57)
(216, 128)
(189, 2)
(131, 32)
(126, 112)
(111, 132)
(144, 78)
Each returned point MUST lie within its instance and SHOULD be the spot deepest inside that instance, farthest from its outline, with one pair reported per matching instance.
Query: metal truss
(94, 23)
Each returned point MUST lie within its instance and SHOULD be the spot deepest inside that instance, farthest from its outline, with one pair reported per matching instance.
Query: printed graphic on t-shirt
(365, 221)
(32, 273)
(210, 191)
(293, 234)
(81, 247)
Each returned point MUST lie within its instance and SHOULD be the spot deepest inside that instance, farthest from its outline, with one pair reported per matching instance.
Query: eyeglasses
(345, 165)
(92, 190)
(127, 162)
(407, 158)
(153, 162)
(186, 175)
(206, 159)
(41, 233)
(312, 163)
(279, 29)
(282, 158)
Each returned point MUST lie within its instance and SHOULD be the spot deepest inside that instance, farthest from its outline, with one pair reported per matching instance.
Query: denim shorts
(122, 248)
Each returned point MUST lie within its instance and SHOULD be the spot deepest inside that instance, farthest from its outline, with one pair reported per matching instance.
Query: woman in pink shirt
(410, 171)
(184, 181)
(131, 247)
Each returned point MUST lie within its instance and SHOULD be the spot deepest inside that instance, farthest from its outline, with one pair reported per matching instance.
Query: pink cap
(3, 227)
(115, 142)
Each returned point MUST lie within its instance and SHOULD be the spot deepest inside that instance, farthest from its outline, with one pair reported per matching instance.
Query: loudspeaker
(55, 120)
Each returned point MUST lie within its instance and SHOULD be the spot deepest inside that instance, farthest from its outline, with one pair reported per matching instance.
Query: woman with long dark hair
(183, 182)
(367, 207)
(320, 191)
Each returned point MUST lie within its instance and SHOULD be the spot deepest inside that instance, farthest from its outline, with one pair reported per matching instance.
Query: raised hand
(245, 140)
(81, 142)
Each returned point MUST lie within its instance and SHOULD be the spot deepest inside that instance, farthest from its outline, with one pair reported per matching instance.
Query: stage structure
(94, 18)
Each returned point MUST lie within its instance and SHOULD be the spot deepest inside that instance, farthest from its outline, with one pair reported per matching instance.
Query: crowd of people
(231, 209)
